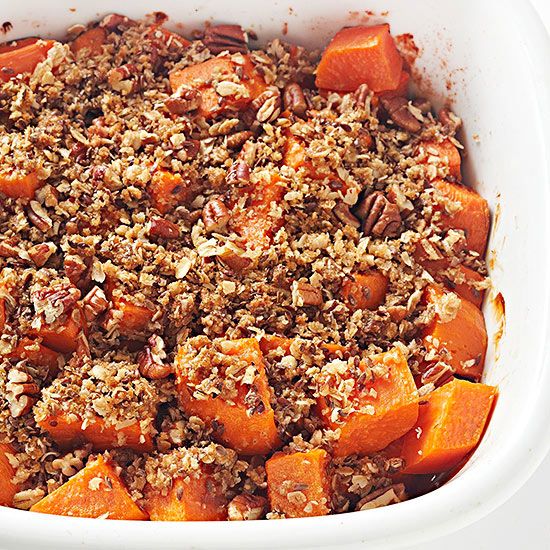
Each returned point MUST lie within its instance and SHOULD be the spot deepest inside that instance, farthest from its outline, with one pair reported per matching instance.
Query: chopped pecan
(438, 375)
(55, 301)
(343, 213)
(80, 152)
(382, 497)
(151, 360)
(125, 79)
(294, 99)
(238, 174)
(21, 392)
(215, 215)
(98, 173)
(451, 123)
(39, 217)
(8, 251)
(380, 217)
(246, 507)
(234, 141)
(398, 110)
(304, 294)
(422, 104)
(165, 229)
(116, 22)
(183, 101)
(74, 268)
(362, 96)
(41, 253)
(267, 105)
(221, 38)
(94, 303)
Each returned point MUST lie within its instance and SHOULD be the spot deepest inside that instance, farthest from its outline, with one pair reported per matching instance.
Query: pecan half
(222, 38)
(183, 101)
(164, 229)
(215, 215)
(398, 110)
(150, 360)
(246, 507)
(362, 96)
(94, 304)
(39, 217)
(21, 392)
(438, 375)
(267, 105)
(294, 99)
(41, 253)
(55, 301)
(238, 174)
(343, 213)
(380, 217)
(304, 294)
(234, 141)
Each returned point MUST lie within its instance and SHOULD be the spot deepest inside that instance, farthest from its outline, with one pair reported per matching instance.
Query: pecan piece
(8, 251)
(294, 99)
(124, 79)
(382, 497)
(215, 215)
(183, 101)
(226, 38)
(362, 96)
(246, 507)
(438, 375)
(267, 105)
(380, 217)
(343, 213)
(94, 304)
(115, 22)
(39, 217)
(398, 110)
(234, 141)
(150, 360)
(21, 392)
(55, 301)
(304, 294)
(238, 174)
(74, 268)
(41, 253)
(165, 229)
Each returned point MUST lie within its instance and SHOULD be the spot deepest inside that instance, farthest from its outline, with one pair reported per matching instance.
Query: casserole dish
(451, 40)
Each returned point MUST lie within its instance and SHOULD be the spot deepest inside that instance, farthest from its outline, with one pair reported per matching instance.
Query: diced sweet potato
(450, 424)
(383, 410)
(464, 336)
(473, 217)
(298, 484)
(168, 39)
(62, 336)
(359, 55)
(444, 153)
(248, 431)
(255, 223)
(16, 44)
(96, 491)
(36, 354)
(2, 314)
(23, 60)
(365, 290)
(92, 40)
(168, 190)
(133, 318)
(193, 498)
(402, 89)
(270, 342)
(17, 185)
(217, 98)
(7, 471)
(66, 430)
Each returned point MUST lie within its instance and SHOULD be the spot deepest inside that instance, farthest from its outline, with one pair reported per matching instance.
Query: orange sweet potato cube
(7, 471)
(16, 44)
(168, 190)
(365, 290)
(473, 216)
(62, 335)
(298, 484)
(450, 424)
(132, 318)
(217, 98)
(92, 40)
(464, 336)
(37, 354)
(96, 491)
(193, 498)
(247, 421)
(68, 430)
(358, 55)
(442, 153)
(23, 59)
(382, 410)
(17, 185)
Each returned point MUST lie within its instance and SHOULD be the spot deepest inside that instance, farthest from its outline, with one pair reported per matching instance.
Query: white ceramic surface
(495, 54)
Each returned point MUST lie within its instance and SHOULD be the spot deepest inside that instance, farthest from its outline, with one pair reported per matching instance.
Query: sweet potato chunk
(96, 491)
(16, 44)
(17, 185)
(7, 488)
(473, 217)
(23, 60)
(270, 342)
(61, 336)
(365, 290)
(168, 190)
(214, 80)
(444, 153)
(298, 484)
(255, 223)
(381, 410)
(67, 431)
(131, 318)
(247, 419)
(92, 40)
(464, 336)
(36, 354)
(402, 89)
(450, 424)
(359, 55)
(189, 499)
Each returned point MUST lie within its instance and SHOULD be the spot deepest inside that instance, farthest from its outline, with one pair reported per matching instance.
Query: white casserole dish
(495, 54)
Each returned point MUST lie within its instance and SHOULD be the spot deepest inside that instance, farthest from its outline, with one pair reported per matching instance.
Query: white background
(523, 523)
